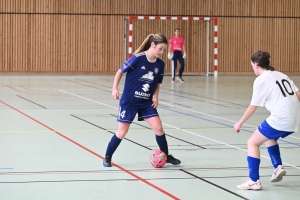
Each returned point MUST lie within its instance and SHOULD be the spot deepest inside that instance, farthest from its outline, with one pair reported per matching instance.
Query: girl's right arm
(115, 91)
(298, 94)
(248, 113)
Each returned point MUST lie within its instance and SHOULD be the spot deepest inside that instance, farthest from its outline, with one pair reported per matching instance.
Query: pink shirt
(176, 43)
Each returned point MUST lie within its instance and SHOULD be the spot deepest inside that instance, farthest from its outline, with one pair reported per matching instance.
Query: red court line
(28, 88)
(13, 88)
(92, 152)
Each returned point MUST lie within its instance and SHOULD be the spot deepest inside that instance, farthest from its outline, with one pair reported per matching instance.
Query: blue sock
(162, 143)
(253, 165)
(274, 153)
(112, 146)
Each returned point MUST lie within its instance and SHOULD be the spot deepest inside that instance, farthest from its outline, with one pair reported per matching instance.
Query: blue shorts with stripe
(271, 133)
(128, 115)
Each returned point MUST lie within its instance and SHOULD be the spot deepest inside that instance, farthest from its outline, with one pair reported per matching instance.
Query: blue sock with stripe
(112, 146)
(274, 153)
(162, 143)
(253, 165)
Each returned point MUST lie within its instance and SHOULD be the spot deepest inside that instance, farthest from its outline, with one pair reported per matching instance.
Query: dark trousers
(177, 55)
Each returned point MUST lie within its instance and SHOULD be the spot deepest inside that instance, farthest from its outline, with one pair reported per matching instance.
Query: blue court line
(212, 121)
(8, 168)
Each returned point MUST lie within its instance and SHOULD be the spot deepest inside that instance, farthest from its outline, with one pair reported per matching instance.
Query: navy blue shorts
(271, 133)
(128, 115)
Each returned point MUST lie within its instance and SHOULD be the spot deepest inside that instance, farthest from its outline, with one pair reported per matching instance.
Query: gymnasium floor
(54, 131)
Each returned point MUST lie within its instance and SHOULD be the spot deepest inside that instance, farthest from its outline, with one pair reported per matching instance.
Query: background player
(176, 48)
(281, 97)
(145, 73)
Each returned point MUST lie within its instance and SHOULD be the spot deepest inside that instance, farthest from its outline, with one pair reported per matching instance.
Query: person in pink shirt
(177, 52)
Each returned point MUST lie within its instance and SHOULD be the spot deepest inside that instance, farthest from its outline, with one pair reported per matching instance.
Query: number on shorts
(283, 83)
(122, 114)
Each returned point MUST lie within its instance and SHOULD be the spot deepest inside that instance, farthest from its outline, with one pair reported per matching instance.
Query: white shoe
(248, 184)
(180, 79)
(278, 173)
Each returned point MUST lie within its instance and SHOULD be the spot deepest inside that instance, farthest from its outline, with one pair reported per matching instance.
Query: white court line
(186, 131)
(229, 145)
(213, 116)
(87, 99)
(294, 137)
(172, 105)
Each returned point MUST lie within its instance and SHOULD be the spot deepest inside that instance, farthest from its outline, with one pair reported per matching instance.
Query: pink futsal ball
(158, 158)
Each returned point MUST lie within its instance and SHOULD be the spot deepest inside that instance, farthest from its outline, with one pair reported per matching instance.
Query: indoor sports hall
(58, 61)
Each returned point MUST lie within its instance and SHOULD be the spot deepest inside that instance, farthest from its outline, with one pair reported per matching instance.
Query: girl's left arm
(183, 49)
(155, 97)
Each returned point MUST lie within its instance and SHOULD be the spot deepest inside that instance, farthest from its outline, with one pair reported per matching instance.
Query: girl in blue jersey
(145, 71)
(275, 91)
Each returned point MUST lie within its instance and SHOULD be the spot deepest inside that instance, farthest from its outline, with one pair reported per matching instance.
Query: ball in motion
(158, 159)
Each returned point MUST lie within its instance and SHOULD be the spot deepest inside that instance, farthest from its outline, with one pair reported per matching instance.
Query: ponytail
(145, 45)
(262, 58)
(156, 38)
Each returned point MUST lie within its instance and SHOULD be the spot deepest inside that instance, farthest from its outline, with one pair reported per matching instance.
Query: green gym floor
(54, 131)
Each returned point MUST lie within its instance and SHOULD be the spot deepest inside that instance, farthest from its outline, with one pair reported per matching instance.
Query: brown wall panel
(87, 36)
(278, 8)
(61, 43)
(247, 35)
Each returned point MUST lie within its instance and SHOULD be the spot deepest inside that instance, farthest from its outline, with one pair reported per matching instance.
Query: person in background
(177, 52)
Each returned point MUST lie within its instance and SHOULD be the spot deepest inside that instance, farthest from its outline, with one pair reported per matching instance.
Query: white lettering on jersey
(141, 95)
(146, 87)
(147, 77)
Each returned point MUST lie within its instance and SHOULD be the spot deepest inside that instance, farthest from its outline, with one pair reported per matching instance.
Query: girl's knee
(120, 135)
(159, 131)
(270, 143)
(251, 142)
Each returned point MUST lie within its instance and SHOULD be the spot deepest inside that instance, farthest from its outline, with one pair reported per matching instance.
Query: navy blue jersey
(141, 81)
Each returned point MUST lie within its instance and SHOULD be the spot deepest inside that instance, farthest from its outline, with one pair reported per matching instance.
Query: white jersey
(275, 91)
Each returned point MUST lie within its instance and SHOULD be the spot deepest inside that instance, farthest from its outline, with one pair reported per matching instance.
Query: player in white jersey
(145, 71)
(278, 93)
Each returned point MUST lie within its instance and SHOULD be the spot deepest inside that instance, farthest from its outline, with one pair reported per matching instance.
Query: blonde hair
(156, 38)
